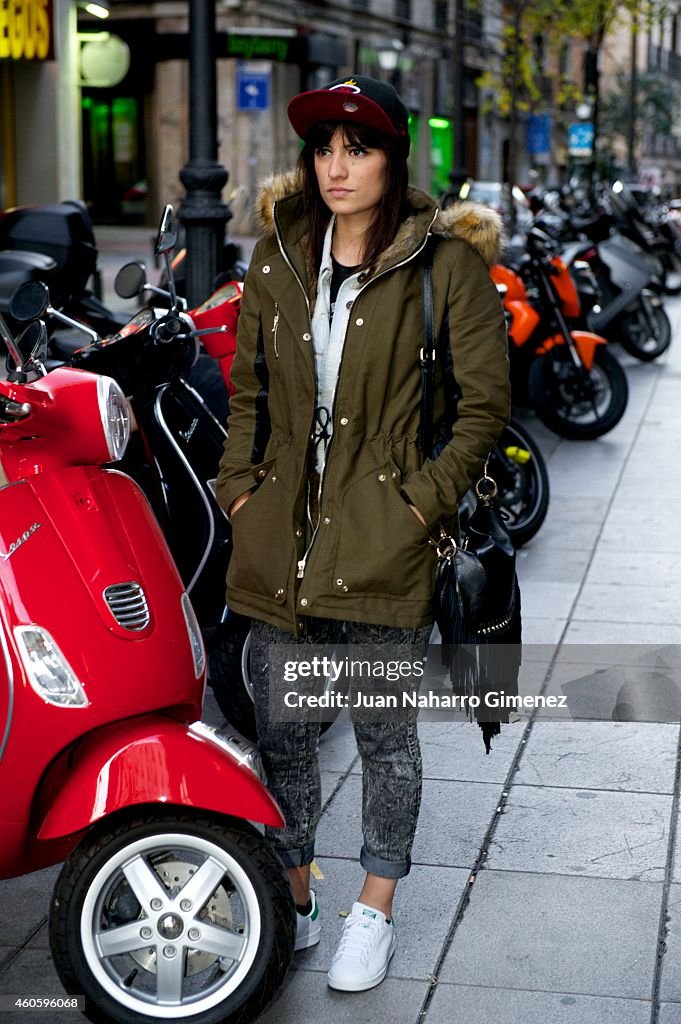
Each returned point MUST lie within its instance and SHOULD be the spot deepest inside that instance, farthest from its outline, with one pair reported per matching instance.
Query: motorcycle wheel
(645, 334)
(229, 675)
(571, 406)
(519, 471)
(177, 915)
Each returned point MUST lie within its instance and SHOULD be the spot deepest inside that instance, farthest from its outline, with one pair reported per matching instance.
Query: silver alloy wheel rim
(233, 951)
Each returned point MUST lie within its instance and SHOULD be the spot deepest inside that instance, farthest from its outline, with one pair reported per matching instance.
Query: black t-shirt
(338, 275)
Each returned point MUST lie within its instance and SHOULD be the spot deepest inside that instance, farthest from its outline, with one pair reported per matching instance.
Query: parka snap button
(344, 421)
(339, 583)
(303, 601)
(359, 321)
(327, 520)
(394, 475)
(307, 336)
(299, 532)
(274, 479)
(280, 592)
(345, 589)
(382, 477)
(266, 269)
(262, 472)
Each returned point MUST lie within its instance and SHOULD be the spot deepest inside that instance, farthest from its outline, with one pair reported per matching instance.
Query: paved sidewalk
(547, 877)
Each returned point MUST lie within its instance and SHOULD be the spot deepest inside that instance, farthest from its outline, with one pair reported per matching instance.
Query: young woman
(331, 501)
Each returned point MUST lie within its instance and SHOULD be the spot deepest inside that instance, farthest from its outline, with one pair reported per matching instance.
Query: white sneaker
(364, 951)
(308, 930)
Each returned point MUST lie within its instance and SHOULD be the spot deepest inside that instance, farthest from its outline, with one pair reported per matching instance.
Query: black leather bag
(476, 596)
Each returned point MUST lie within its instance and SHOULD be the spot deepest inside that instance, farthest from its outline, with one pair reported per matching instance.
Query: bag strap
(427, 356)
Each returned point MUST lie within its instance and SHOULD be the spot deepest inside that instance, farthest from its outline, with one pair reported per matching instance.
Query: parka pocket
(382, 548)
(263, 549)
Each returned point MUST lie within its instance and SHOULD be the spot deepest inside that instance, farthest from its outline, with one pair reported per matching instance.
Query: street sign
(581, 138)
(538, 134)
(252, 89)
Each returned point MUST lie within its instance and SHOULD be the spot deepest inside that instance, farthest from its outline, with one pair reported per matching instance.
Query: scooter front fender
(152, 759)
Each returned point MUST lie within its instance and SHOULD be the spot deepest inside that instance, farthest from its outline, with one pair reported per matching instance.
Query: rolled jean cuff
(384, 868)
(296, 858)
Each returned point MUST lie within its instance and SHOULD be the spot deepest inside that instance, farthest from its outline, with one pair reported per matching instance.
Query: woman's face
(351, 177)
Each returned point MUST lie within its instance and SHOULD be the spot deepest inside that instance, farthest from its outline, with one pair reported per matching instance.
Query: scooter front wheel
(573, 403)
(178, 916)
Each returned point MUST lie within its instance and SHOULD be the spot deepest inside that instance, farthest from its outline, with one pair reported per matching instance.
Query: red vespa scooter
(170, 905)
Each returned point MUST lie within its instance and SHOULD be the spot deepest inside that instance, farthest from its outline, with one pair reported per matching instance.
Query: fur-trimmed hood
(473, 223)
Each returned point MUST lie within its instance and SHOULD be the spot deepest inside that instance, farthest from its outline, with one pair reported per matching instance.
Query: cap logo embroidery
(350, 107)
(349, 86)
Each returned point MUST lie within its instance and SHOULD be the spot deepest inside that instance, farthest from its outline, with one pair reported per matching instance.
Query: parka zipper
(293, 270)
(303, 561)
(275, 328)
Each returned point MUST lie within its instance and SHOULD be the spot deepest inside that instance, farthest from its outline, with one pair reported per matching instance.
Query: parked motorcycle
(170, 903)
(619, 273)
(576, 386)
(612, 280)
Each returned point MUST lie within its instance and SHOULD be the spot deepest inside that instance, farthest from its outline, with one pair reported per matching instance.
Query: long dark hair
(389, 212)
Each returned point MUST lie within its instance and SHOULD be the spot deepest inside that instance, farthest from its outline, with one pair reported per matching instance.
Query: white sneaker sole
(362, 986)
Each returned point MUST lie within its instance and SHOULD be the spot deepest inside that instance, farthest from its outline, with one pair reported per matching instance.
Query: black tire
(117, 869)
(645, 333)
(518, 468)
(569, 404)
(226, 675)
(229, 665)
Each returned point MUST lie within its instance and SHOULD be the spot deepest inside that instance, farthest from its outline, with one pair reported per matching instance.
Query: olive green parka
(369, 559)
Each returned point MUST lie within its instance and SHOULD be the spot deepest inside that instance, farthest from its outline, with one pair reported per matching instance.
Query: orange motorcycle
(571, 379)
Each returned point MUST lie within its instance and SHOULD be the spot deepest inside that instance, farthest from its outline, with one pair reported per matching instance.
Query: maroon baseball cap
(356, 99)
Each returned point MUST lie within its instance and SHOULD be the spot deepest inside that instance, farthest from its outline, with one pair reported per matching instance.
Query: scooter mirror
(166, 240)
(130, 280)
(32, 343)
(29, 301)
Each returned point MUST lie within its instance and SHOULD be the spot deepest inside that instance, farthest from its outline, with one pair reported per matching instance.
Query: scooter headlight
(115, 413)
(195, 638)
(48, 671)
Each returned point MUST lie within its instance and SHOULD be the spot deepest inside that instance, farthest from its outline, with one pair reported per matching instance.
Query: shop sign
(259, 47)
(26, 30)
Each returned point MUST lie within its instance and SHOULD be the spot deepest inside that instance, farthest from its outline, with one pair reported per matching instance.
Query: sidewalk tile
(623, 653)
(425, 905)
(588, 832)
(455, 750)
(307, 999)
(474, 1005)
(454, 818)
(639, 568)
(670, 1013)
(549, 600)
(654, 604)
(551, 563)
(597, 631)
(558, 933)
(628, 756)
(32, 894)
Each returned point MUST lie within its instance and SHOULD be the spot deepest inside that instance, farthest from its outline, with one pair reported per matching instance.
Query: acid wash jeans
(390, 752)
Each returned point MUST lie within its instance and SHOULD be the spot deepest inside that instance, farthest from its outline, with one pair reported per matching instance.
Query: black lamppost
(202, 212)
